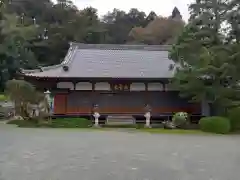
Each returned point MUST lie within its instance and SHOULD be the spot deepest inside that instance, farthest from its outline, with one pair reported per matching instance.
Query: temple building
(118, 79)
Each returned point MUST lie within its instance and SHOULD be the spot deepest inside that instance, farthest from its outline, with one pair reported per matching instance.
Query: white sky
(161, 7)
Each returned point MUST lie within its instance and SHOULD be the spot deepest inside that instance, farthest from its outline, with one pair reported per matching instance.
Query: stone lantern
(49, 100)
(96, 115)
(147, 115)
(47, 95)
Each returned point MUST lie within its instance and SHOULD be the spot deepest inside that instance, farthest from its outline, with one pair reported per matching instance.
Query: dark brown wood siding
(60, 104)
(122, 102)
(79, 103)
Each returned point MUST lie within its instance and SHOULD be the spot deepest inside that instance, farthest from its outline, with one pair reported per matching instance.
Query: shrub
(22, 123)
(56, 123)
(234, 117)
(180, 119)
(3, 97)
(71, 123)
(219, 125)
(14, 122)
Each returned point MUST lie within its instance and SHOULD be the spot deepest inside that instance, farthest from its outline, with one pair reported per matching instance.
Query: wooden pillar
(93, 95)
(164, 87)
(66, 102)
(146, 94)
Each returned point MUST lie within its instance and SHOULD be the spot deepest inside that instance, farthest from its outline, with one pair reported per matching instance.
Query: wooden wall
(121, 103)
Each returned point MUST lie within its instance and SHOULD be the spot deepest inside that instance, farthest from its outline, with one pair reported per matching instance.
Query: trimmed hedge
(55, 123)
(3, 97)
(180, 119)
(234, 117)
(219, 125)
(71, 123)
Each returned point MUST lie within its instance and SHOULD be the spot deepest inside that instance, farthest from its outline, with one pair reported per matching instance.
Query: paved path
(57, 154)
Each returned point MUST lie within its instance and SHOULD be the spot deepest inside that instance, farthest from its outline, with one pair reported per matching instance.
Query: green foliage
(206, 68)
(219, 125)
(16, 122)
(44, 40)
(180, 119)
(233, 18)
(159, 31)
(172, 131)
(34, 32)
(20, 90)
(14, 48)
(234, 116)
(122, 22)
(71, 123)
(3, 97)
(23, 93)
(55, 123)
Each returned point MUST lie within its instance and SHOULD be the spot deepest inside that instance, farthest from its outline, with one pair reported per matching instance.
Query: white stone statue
(96, 116)
(148, 119)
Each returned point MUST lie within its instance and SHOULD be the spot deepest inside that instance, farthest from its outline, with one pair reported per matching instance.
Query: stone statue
(96, 115)
(147, 115)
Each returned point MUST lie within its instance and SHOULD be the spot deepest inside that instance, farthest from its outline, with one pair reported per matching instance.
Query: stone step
(120, 120)
(121, 116)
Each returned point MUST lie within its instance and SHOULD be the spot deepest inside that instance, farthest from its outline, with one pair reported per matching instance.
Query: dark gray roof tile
(112, 61)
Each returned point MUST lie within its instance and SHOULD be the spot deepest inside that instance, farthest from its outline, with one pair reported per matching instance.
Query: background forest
(37, 33)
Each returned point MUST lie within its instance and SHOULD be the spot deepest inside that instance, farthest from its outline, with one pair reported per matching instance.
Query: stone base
(96, 126)
(146, 126)
(120, 120)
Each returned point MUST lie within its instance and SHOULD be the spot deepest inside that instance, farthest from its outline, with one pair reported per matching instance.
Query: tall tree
(1, 18)
(14, 50)
(202, 56)
(151, 16)
(159, 31)
(122, 22)
(176, 14)
(2, 8)
(234, 20)
(233, 38)
(40, 10)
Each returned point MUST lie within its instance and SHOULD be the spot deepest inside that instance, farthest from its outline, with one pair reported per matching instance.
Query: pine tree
(14, 45)
(234, 20)
(234, 38)
(203, 57)
(176, 14)
(2, 8)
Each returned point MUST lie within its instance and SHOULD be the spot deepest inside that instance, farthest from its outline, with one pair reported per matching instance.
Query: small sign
(120, 87)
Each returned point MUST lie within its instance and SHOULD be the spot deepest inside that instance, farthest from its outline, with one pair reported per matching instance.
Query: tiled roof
(110, 61)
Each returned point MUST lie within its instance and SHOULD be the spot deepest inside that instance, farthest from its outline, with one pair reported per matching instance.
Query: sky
(161, 7)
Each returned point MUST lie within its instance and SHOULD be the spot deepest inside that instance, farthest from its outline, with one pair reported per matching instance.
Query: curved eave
(40, 72)
(96, 79)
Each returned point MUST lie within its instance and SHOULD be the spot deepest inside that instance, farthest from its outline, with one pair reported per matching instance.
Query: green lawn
(171, 131)
(55, 123)
(79, 123)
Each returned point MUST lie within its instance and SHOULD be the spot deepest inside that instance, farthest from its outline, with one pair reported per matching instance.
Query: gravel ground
(62, 154)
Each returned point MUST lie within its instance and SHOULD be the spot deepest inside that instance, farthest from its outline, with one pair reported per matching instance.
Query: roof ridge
(121, 46)
(71, 56)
